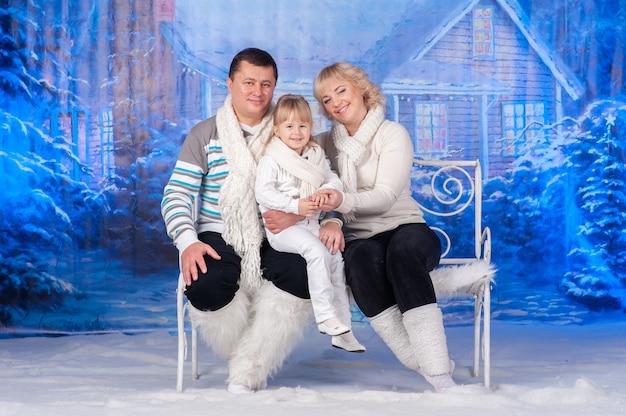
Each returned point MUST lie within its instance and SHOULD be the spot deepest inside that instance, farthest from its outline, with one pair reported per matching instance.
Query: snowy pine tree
(597, 276)
(43, 208)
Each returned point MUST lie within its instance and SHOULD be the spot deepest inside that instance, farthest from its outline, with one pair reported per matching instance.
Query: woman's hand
(329, 199)
(332, 237)
(277, 221)
(319, 199)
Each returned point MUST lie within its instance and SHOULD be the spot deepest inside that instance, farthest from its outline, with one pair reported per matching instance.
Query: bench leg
(478, 305)
(487, 333)
(482, 341)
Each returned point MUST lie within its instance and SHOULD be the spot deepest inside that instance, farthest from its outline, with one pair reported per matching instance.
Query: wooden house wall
(463, 122)
(515, 64)
(138, 77)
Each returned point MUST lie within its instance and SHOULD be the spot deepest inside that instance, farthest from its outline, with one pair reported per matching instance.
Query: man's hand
(193, 258)
(277, 221)
(332, 237)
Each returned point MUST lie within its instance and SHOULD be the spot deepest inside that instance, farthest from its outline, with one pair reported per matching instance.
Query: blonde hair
(352, 74)
(295, 106)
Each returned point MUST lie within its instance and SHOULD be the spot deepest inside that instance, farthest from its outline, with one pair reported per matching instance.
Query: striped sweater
(199, 172)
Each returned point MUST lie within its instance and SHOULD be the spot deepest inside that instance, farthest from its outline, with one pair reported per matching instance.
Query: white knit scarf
(310, 170)
(352, 148)
(242, 228)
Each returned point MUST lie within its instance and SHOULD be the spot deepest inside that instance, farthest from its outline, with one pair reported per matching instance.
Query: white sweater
(277, 189)
(383, 199)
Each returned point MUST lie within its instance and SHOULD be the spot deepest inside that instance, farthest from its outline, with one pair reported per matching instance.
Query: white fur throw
(453, 280)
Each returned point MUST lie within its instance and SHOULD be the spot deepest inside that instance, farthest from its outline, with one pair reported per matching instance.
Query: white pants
(327, 283)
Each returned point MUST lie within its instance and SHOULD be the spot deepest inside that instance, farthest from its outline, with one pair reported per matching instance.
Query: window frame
(483, 33)
(107, 143)
(78, 140)
(519, 125)
(438, 144)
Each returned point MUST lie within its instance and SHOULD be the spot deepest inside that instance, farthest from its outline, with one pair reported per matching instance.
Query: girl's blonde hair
(292, 106)
(295, 106)
(352, 74)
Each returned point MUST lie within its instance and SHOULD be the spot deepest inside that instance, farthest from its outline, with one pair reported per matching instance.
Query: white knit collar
(352, 148)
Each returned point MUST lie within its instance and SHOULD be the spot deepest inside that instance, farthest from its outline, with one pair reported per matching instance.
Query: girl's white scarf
(352, 148)
(242, 227)
(310, 169)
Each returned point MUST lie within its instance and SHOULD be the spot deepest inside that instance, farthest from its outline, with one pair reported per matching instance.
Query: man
(250, 318)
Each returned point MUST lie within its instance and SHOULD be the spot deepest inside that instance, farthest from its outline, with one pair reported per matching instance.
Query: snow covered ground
(538, 369)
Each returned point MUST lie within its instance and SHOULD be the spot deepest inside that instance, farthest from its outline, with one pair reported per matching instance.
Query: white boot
(428, 339)
(222, 329)
(389, 326)
(278, 322)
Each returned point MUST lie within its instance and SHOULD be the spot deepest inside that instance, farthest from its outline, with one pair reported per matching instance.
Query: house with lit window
(477, 84)
(469, 80)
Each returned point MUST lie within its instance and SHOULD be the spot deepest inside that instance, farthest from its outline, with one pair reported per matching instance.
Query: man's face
(252, 90)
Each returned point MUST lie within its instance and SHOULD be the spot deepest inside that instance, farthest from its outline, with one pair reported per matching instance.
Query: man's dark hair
(254, 56)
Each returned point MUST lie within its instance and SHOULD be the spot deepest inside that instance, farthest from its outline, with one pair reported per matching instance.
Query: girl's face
(294, 133)
(344, 103)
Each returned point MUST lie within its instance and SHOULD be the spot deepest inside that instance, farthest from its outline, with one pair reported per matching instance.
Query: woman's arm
(382, 179)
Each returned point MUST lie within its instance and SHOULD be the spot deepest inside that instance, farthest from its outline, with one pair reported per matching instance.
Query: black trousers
(216, 288)
(393, 268)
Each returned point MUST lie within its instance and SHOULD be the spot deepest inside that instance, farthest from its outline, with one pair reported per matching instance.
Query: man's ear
(229, 83)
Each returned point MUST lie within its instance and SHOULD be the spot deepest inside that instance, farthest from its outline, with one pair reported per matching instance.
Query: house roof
(430, 77)
(306, 35)
(562, 73)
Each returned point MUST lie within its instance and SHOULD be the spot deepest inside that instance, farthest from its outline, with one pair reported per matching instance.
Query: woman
(389, 249)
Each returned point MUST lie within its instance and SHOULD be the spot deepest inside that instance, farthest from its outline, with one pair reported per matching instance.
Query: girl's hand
(307, 207)
(330, 199)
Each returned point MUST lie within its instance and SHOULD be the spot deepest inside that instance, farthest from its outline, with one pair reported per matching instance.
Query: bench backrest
(450, 194)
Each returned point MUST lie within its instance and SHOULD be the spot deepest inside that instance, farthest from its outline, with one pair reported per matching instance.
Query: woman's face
(344, 103)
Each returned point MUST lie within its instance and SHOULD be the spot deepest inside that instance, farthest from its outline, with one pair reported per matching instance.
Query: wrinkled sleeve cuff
(347, 205)
(331, 219)
(185, 239)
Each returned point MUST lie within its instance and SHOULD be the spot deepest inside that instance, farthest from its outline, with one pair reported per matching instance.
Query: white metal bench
(181, 309)
(457, 187)
(450, 194)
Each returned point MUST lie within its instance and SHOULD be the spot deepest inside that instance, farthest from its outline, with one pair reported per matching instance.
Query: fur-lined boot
(424, 326)
(278, 322)
(222, 329)
(389, 326)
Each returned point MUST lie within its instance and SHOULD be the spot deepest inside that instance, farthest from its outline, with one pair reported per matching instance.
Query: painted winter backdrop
(96, 98)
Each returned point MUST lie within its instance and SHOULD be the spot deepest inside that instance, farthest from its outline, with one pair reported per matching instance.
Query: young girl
(289, 176)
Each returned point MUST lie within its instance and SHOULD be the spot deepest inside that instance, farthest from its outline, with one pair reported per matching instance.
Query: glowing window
(431, 127)
(521, 123)
(482, 30)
